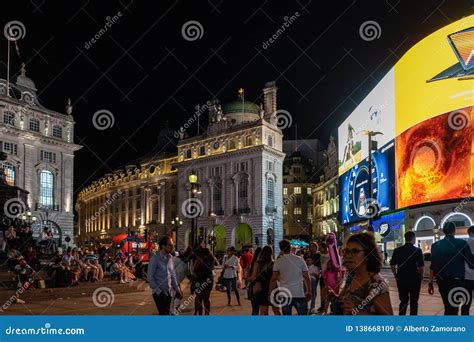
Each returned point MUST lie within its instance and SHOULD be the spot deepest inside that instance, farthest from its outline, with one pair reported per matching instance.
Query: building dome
(240, 111)
(238, 106)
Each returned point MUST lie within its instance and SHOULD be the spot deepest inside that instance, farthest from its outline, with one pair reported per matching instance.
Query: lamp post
(195, 190)
(372, 145)
(176, 222)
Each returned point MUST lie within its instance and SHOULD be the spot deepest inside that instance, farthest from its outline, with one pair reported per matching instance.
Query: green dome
(238, 106)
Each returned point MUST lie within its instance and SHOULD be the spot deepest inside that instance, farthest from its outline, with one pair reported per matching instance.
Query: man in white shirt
(295, 286)
(469, 275)
(231, 267)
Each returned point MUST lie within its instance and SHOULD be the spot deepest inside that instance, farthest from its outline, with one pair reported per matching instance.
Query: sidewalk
(141, 303)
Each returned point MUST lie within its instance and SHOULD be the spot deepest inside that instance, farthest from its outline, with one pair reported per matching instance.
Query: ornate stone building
(139, 195)
(326, 196)
(238, 161)
(39, 144)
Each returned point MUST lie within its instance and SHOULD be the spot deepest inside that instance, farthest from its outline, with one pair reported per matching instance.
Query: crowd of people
(353, 286)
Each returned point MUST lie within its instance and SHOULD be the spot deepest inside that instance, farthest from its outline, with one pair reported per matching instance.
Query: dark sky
(144, 72)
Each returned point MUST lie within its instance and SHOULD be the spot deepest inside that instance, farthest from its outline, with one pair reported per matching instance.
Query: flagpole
(8, 68)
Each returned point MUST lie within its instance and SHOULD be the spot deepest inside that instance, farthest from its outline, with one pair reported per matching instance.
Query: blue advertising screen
(354, 185)
(394, 221)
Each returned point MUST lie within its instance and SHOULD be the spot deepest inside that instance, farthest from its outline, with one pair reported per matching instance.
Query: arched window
(248, 140)
(243, 192)
(46, 189)
(270, 194)
(188, 154)
(10, 173)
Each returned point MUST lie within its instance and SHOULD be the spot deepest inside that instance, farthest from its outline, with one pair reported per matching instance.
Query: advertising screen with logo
(355, 192)
(429, 113)
(389, 223)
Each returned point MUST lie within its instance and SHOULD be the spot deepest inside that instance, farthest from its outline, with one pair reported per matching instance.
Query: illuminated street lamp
(195, 189)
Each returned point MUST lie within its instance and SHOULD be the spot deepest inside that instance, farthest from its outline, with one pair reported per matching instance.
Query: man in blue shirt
(162, 276)
(449, 258)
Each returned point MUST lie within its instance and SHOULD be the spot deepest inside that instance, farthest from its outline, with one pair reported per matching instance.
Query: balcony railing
(241, 211)
(270, 210)
(41, 206)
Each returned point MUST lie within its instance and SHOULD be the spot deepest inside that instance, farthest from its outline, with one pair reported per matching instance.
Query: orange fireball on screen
(435, 159)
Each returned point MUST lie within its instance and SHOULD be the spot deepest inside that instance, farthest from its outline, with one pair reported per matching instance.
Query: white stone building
(39, 143)
(238, 161)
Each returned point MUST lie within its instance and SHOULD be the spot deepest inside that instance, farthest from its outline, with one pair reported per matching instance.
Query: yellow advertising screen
(430, 79)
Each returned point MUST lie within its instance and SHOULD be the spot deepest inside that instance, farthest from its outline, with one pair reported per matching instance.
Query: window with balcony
(270, 194)
(217, 199)
(243, 193)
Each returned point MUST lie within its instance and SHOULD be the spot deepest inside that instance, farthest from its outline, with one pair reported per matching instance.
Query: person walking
(253, 298)
(260, 278)
(295, 287)
(469, 275)
(407, 266)
(231, 267)
(314, 275)
(162, 276)
(203, 270)
(323, 262)
(448, 261)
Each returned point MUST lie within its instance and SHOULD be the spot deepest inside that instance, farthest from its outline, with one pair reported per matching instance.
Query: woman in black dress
(261, 275)
(204, 278)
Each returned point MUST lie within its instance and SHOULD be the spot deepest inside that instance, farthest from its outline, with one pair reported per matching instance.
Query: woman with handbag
(260, 277)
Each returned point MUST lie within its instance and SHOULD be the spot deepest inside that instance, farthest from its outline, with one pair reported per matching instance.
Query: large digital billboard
(375, 113)
(434, 159)
(354, 185)
(425, 103)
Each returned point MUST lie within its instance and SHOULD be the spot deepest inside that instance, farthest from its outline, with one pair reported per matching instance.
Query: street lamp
(195, 190)
(372, 146)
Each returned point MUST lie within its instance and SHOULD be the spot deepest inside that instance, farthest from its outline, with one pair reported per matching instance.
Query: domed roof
(238, 106)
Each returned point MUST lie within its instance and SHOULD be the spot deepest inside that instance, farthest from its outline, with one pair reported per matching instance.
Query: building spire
(69, 106)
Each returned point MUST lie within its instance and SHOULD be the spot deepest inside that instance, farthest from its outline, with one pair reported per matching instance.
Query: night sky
(145, 73)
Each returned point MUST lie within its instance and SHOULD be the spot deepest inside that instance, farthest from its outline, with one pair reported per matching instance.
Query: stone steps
(82, 290)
